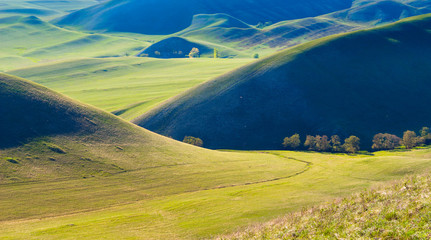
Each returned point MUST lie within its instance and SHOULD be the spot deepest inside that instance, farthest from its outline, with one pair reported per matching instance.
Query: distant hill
(44, 9)
(385, 11)
(170, 16)
(173, 47)
(361, 15)
(29, 40)
(359, 84)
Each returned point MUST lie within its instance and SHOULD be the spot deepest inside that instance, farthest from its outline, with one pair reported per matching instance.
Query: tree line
(381, 141)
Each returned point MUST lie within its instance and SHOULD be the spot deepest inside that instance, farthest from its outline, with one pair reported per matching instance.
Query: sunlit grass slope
(28, 40)
(361, 83)
(400, 210)
(127, 86)
(84, 173)
(59, 156)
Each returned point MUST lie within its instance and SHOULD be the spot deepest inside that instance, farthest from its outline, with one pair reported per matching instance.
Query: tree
(426, 135)
(310, 143)
(292, 142)
(256, 55)
(425, 131)
(385, 141)
(351, 144)
(322, 143)
(194, 53)
(336, 144)
(193, 141)
(410, 140)
(216, 53)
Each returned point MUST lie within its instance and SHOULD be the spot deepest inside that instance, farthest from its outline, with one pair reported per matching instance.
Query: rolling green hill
(126, 86)
(29, 40)
(168, 16)
(360, 84)
(383, 11)
(106, 178)
(224, 29)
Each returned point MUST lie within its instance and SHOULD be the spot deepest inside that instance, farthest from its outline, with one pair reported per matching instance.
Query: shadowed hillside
(359, 84)
(362, 15)
(169, 16)
(48, 114)
(173, 47)
(378, 12)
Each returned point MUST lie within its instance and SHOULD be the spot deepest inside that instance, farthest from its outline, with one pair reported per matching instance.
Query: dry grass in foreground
(401, 210)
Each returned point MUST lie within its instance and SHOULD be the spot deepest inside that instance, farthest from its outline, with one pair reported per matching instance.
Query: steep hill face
(359, 84)
(169, 16)
(28, 110)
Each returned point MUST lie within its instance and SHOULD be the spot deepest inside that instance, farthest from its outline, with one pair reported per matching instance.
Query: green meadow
(127, 86)
(194, 199)
(73, 166)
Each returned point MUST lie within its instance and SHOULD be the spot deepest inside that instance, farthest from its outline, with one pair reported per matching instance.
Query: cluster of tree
(410, 140)
(194, 53)
(381, 141)
(323, 143)
(193, 141)
(386, 141)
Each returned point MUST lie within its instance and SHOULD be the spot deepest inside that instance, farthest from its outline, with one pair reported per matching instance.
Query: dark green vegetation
(168, 16)
(382, 85)
(400, 210)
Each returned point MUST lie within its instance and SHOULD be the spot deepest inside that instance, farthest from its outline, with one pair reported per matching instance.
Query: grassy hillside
(168, 16)
(226, 30)
(107, 178)
(339, 85)
(397, 211)
(127, 86)
(383, 11)
(29, 40)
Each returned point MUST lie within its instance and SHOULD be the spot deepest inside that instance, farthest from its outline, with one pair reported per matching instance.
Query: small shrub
(12, 160)
(55, 148)
(256, 55)
(193, 141)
